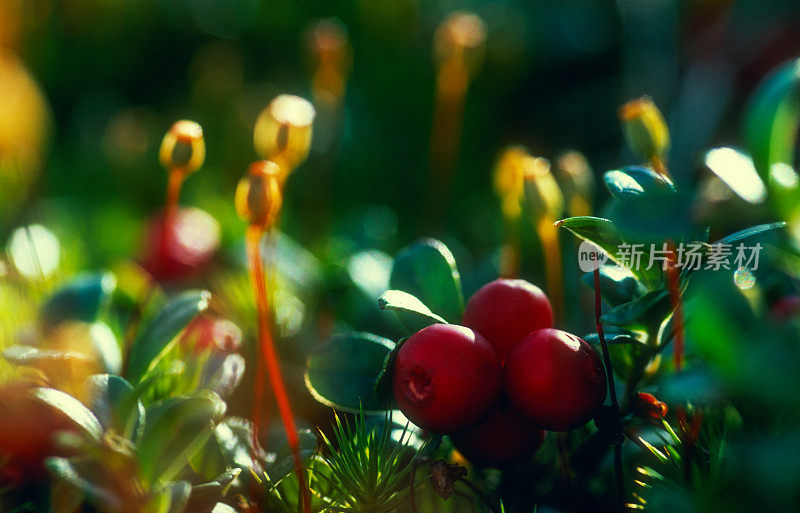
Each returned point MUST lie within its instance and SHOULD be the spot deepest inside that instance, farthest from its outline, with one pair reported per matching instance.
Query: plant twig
(618, 471)
(673, 283)
(267, 346)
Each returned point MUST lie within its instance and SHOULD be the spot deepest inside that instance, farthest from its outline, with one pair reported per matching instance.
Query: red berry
(505, 311)
(180, 247)
(555, 379)
(446, 377)
(27, 426)
(502, 439)
(210, 332)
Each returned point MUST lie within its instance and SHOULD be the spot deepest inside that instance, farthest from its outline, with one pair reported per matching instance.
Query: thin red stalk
(253, 239)
(673, 283)
(174, 182)
(618, 472)
(451, 91)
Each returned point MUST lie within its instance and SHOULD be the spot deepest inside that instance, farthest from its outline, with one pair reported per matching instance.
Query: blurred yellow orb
(24, 126)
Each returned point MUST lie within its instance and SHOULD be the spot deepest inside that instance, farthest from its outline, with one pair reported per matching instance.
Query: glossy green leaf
(617, 335)
(81, 299)
(112, 400)
(772, 119)
(342, 372)
(427, 270)
(770, 132)
(176, 428)
(158, 335)
(633, 181)
(72, 408)
(603, 234)
(750, 232)
(412, 313)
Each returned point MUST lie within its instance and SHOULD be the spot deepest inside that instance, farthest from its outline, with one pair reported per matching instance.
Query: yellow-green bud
(542, 194)
(509, 179)
(645, 129)
(258, 195)
(183, 147)
(283, 131)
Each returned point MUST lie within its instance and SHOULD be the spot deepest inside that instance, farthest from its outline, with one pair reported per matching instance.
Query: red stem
(174, 182)
(673, 283)
(253, 239)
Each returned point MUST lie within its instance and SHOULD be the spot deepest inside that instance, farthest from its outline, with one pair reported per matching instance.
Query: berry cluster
(498, 383)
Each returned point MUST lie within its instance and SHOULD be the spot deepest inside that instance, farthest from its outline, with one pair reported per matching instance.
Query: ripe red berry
(505, 311)
(180, 247)
(502, 439)
(207, 332)
(446, 377)
(555, 379)
(27, 426)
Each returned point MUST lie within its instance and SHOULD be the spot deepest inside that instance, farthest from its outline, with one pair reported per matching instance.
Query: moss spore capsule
(542, 193)
(461, 38)
(283, 132)
(332, 58)
(644, 127)
(258, 195)
(183, 147)
(509, 173)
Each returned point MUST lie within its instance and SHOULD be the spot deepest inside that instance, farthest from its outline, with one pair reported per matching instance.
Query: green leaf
(47, 360)
(617, 285)
(651, 308)
(633, 181)
(234, 438)
(427, 270)
(72, 408)
(750, 232)
(412, 313)
(770, 132)
(772, 119)
(156, 338)
(176, 428)
(112, 400)
(230, 446)
(81, 299)
(342, 372)
(616, 335)
(603, 234)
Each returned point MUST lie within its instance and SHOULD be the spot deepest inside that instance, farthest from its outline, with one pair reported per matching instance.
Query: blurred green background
(117, 73)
